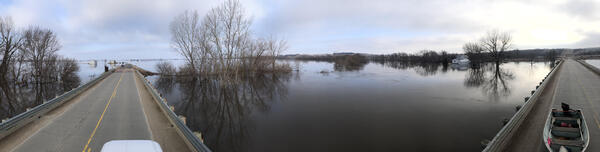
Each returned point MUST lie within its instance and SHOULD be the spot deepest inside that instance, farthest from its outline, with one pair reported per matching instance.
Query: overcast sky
(118, 29)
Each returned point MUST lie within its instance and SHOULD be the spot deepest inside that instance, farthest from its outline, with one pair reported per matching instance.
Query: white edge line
(135, 79)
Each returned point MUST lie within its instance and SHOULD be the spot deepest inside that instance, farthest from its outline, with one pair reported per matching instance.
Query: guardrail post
(199, 135)
(183, 119)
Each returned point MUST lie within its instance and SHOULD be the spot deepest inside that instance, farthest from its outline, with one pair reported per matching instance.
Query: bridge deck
(119, 107)
(576, 85)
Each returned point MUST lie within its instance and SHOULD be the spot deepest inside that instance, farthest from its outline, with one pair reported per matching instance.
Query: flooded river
(326, 106)
(373, 107)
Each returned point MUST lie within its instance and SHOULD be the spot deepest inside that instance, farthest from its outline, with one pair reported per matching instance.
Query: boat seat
(566, 129)
(578, 143)
(574, 122)
(566, 134)
(566, 118)
(565, 114)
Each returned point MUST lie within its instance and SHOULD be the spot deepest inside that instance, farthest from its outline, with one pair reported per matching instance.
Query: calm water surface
(333, 107)
(594, 62)
(373, 107)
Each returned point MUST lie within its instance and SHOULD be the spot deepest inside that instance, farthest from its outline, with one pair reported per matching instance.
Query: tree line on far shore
(495, 47)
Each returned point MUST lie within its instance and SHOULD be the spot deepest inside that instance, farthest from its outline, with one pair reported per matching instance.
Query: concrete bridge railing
(12, 124)
(503, 137)
(190, 138)
(590, 67)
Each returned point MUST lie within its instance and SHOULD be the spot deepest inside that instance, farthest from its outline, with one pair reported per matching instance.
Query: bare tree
(473, 50)
(496, 43)
(186, 36)
(10, 40)
(39, 45)
(276, 46)
(166, 68)
(222, 44)
(67, 70)
(228, 35)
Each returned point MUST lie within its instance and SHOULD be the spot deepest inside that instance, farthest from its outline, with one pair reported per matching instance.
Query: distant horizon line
(159, 59)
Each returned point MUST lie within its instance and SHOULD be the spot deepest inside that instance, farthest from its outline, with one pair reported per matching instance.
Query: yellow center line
(588, 100)
(102, 116)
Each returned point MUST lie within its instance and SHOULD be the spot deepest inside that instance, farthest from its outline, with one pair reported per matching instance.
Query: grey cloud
(590, 40)
(582, 8)
(90, 26)
(416, 15)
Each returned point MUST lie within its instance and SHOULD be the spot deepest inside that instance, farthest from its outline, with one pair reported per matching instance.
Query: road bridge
(574, 82)
(119, 105)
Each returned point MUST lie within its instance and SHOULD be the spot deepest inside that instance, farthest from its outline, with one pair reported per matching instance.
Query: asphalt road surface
(112, 111)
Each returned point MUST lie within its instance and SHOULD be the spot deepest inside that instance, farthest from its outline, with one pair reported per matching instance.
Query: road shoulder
(161, 129)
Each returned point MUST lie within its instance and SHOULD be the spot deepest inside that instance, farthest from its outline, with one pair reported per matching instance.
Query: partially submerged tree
(38, 45)
(473, 50)
(67, 70)
(496, 43)
(166, 68)
(10, 40)
(222, 43)
(186, 36)
(29, 57)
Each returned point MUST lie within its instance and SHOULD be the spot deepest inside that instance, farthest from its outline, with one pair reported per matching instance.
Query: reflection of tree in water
(423, 69)
(165, 84)
(492, 79)
(396, 65)
(27, 90)
(427, 69)
(341, 66)
(222, 112)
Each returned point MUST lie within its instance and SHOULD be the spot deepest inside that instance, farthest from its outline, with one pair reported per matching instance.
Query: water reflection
(345, 65)
(423, 69)
(427, 69)
(222, 112)
(28, 89)
(306, 111)
(461, 67)
(493, 80)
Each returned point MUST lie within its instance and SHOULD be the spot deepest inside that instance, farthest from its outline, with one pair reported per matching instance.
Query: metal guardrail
(590, 67)
(508, 131)
(190, 138)
(12, 124)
